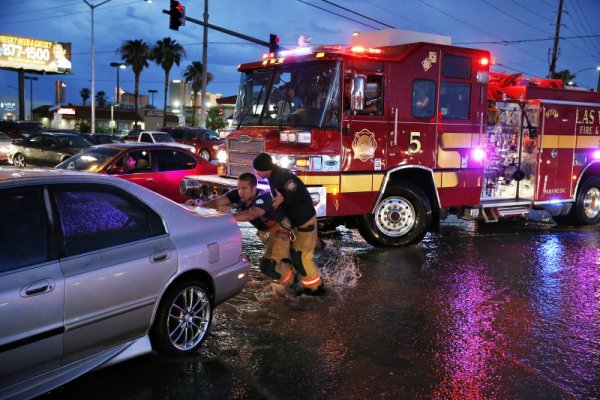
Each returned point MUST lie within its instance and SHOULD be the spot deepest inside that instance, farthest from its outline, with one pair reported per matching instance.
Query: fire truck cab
(396, 131)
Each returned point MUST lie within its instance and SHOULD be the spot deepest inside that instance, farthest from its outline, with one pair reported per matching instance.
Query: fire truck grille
(242, 151)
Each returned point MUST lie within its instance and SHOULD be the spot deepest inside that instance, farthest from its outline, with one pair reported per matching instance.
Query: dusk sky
(472, 23)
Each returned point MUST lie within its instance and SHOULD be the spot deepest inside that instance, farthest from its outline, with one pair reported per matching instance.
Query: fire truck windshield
(301, 95)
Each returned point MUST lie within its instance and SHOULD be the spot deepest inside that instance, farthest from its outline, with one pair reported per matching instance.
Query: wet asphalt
(480, 311)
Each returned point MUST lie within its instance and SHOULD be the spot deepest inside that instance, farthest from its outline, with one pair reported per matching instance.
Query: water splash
(338, 267)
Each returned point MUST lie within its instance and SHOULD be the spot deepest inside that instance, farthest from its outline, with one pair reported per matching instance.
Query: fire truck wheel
(586, 210)
(400, 219)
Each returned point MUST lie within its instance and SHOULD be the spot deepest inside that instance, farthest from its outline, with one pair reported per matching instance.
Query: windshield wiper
(254, 103)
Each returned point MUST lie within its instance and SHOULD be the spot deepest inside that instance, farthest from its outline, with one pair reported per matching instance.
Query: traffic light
(273, 43)
(176, 15)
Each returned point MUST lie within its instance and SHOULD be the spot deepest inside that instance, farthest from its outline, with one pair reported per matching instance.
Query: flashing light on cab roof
(361, 49)
(484, 61)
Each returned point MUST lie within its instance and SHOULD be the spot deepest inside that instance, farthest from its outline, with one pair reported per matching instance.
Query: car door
(50, 152)
(117, 260)
(31, 289)
(32, 148)
(144, 174)
(172, 166)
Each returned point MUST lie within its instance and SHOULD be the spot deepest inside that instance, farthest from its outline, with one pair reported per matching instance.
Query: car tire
(19, 160)
(401, 218)
(205, 154)
(183, 319)
(586, 210)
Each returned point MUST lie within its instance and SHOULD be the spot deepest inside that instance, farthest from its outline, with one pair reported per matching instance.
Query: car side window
(93, 217)
(423, 98)
(146, 138)
(173, 160)
(37, 140)
(24, 228)
(177, 133)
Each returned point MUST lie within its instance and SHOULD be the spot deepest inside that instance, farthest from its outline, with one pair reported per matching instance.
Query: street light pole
(118, 66)
(204, 68)
(93, 7)
(597, 68)
(31, 79)
(152, 91)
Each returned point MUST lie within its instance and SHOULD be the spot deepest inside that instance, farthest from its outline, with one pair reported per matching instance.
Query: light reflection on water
(508, 305)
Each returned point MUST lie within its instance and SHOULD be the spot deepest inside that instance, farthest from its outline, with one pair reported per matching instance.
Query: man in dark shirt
(290, 193)
(256, 206)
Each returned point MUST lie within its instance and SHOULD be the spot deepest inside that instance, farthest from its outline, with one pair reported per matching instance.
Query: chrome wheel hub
(395, 216)
(591, 203)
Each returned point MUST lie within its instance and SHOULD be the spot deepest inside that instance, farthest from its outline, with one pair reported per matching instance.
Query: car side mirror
(357, 93)
(533, 132)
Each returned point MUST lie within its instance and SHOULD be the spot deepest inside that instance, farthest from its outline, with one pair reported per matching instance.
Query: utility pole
(552, 73)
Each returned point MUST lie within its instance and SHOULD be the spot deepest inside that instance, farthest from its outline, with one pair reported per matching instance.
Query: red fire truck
(400, 129)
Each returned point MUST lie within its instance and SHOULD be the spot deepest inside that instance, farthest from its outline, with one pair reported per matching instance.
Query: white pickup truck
(162, 137)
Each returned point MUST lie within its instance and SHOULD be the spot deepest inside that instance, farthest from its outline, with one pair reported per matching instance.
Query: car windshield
(163, 138)
(90, 160)
(291, 95)
(73, 141)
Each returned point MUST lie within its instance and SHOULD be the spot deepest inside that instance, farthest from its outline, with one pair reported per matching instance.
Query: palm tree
(565, 76)
(165, 53)
(193, 73)
(136, 54)
(85, 95)
(101, 98)
(214, 120)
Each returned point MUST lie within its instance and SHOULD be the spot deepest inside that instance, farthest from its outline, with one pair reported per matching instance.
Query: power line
(474, 27)
(356, 13)
(66, 15)
(532, 11)
(41, 9)
(339, 15)
(513, 17)
(594, 48)
(507, 42)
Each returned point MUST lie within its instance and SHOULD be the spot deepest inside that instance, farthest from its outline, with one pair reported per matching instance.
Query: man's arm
(220, 201)
(249, 214)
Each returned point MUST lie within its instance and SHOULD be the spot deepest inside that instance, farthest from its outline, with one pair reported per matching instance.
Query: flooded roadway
(509, 310)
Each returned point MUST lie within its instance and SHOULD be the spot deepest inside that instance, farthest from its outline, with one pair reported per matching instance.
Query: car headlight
(222, 156)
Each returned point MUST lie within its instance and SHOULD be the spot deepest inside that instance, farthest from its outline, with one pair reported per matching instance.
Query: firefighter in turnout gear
(290, 193)
(256, 206)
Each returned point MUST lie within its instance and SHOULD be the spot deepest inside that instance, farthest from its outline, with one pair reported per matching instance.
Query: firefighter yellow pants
(276, 259)
(303, 250)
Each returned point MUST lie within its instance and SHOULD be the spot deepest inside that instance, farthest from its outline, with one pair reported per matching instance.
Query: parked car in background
(95, 270)
(101, 138)
(206, 142)
(5, 142)
(158, 167)
(161, 137)
(20, 129)
(45, 149)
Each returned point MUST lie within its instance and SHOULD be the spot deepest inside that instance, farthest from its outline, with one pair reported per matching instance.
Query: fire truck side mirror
(357, 93)
(533, 132)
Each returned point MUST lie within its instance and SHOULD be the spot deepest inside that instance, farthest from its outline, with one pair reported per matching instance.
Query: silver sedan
(95, 270)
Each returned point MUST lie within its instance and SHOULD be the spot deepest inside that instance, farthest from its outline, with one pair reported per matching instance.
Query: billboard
(18, 52)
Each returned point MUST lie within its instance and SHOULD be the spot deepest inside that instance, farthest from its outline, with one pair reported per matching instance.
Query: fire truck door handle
(395, 111)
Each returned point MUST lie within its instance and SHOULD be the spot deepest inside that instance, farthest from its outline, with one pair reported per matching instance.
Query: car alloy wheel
(19, 160)
(183, 319)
